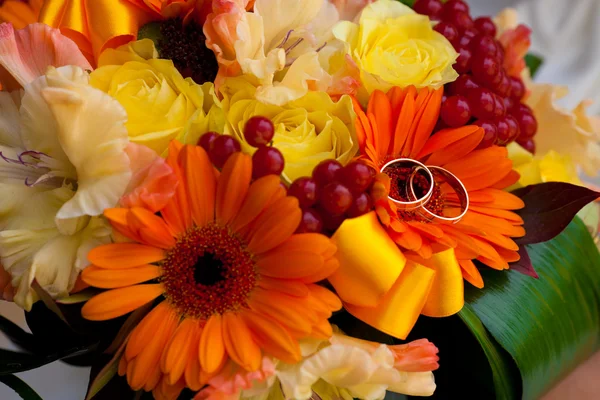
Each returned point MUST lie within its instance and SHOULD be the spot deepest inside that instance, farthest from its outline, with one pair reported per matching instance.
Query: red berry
(221, 148)
(486, 26)
(499, 107)
(527, 122)
(503, 87)
(486, 70)
(267, 161)
(432, 8)
(503, 130)
(509, 103)
(449, 31)
(483, 45)
(490, 135)
(481, 102)
(305, 190)
(460, 19)
(527, 144)
(360, 205)
(206, 140)
(514, 130)
(326, 171)
(517, 88)
(311, 222)
(455, 111)
(463, 62)
(467, 36)
(331, 221)
(462, 85)
(456, 5)
(357, 177)
(335, 198)
(259, 131)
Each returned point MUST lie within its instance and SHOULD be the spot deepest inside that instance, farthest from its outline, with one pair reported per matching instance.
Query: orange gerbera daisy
(399, 125)
(235, 282)
(20, 13)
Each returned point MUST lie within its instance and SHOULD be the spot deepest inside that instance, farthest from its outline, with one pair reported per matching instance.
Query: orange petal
(445, 138)
(380, 107)
(114, 278)
(326, 296)
(498, 213)
(275, 225)
(456, 150)
(117, 302)
(177, 213)
(177, 351)
(284, 309)
(404, 121)
(151, 228)
(124, 255)
(510, 179)
(148, 361)
(289, 265)
(141, 334)
(239, 343)
(425, 120)
(489, 177)
(212, 348)
(200, 183)
(471, 274)
(118, 220)
(272, 337)
(261, 193)
(290, 287)
(232, 187)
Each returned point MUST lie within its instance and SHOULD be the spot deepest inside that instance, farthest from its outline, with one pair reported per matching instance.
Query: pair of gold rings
(418, 200)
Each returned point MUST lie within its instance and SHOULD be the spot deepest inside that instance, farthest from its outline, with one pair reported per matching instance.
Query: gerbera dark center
(185, 46)
(209, 271)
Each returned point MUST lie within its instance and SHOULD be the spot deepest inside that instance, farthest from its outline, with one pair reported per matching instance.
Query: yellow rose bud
(307, 131)
(394, 46)
(161, 105)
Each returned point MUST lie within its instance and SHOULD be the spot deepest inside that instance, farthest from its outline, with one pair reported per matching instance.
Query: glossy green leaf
(13, 361)
(548, 325)
(17, 335)
(21, 388)
(533, 62)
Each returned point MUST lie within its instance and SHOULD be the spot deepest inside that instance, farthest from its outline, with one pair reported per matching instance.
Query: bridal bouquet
(291, 199)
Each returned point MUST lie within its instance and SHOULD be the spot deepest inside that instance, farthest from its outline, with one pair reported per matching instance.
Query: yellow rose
(394, 46)
(160, 103)
(307, 131)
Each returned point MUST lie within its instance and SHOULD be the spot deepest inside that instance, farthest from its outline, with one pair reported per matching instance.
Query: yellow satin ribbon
(381, 288)
(95, 24)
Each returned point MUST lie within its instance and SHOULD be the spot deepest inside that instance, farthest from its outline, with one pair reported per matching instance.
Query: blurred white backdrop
(565, 34)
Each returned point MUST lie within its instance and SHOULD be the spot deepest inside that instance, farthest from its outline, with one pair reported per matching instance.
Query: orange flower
(185, 9)
(20, 13)
(399, 125)
(235, 282)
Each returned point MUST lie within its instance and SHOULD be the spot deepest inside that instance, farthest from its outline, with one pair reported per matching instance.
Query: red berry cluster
(258, 132)
(484, 94)
(333, 194)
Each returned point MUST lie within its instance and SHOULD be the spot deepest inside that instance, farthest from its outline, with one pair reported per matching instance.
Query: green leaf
(106, 374)
(533, 62)
(14, 361)
(22, 389)
(548, 325)
(409, 3)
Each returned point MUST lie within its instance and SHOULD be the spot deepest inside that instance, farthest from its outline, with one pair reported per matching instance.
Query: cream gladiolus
(63, 164)
(355, 368)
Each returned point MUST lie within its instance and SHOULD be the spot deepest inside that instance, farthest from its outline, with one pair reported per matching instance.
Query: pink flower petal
(152, 182)
(27, 53)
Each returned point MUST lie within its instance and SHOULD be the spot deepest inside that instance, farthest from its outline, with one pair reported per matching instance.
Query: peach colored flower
(26, 53)
(152, 181)
(515, 38)
(349, 9)
(233, 380)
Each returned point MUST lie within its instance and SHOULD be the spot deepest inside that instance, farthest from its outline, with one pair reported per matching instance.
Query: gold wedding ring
(413, 167)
